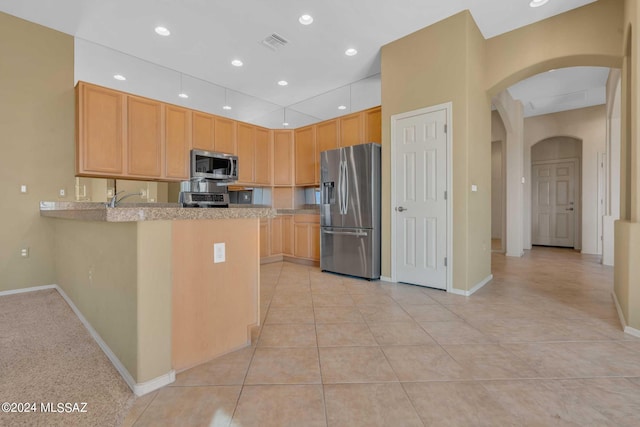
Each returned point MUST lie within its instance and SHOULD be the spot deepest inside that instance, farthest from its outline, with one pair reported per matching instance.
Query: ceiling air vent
(274, 42)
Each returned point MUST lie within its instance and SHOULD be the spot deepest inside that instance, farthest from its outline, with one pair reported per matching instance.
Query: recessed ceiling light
(183, 95)
(237, 63)
(285, 124)
(537, 3)
(305, 19)
(283, 82)
(163, 31)
(350, 52)
(226, 107)
(342, 107)
(119, 77)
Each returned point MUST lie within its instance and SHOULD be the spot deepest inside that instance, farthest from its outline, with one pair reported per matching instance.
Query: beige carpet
(47, 355)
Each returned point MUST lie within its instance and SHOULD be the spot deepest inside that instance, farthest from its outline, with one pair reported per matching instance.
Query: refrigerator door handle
(346, 188)
(340, 187)
(346, 233)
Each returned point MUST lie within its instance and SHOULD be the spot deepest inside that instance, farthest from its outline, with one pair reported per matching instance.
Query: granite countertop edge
(95, 211)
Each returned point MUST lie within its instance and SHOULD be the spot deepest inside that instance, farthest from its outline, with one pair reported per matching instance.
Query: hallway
(539, 345)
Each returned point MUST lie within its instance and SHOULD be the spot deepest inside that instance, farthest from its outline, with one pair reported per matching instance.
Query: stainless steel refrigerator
(350, 211)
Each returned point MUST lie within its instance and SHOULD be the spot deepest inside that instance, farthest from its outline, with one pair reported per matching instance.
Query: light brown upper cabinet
(144, 137)
(177, 142)
(327, 137)
(351, 129)
(305, 154)
(246, 152)
(203, 131)
(373, 125)
(100, 131)
(225, 135)
(262, 172)
(282, 157)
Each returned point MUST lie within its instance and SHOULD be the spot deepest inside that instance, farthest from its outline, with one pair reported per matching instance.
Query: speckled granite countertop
(133, 212)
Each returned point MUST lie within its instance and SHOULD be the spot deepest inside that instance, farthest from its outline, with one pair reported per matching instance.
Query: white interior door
(553, 204)
(420, 205)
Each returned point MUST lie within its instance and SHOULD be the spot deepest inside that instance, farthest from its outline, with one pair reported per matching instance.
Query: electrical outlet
(23, 189)
(143, 193)
(24, 252)
(62, 192)
(218, 252)
(474, 188)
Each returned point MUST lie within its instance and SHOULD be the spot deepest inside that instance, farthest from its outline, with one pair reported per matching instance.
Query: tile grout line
(244, 380)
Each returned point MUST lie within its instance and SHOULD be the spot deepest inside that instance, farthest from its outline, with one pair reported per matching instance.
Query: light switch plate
(474, 188)
(218, 252)
(23, 189)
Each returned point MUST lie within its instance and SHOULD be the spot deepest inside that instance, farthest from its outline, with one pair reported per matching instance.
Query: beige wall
(96, 265)
(627, 230)
(589, 35)
(444, 63)
(119, 277)
(36, 145)
(588, 125)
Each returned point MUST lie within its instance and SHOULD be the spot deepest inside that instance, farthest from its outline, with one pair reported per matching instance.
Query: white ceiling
(561, 89)
(207, 35)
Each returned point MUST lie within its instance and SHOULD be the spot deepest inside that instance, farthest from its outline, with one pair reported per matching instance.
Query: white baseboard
(386, 279)
(31, 289)
(627, 329)
(474, 289)
(138, 389)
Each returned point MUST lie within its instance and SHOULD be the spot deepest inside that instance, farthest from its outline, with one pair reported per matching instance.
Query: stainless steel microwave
(211, 165)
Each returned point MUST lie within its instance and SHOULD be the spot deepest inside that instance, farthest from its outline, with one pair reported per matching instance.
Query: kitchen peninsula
(146, 280)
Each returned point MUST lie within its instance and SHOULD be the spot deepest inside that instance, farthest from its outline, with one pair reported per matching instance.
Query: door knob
(401, 209)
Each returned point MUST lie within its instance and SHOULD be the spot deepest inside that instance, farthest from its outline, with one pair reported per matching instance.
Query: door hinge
(445, 128)
(445, 261)
(445, 194)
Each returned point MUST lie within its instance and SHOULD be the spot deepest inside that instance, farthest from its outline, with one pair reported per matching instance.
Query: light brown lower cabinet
(276, 235)
(295, 236)
(287, 235)
(264, 238)
(306, 230)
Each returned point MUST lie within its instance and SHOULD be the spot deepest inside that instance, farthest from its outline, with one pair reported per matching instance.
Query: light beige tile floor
(539, 345)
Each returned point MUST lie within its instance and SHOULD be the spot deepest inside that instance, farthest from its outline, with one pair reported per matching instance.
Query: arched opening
(556, 192)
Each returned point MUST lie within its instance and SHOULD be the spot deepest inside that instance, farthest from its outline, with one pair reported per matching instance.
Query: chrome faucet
(115, 201)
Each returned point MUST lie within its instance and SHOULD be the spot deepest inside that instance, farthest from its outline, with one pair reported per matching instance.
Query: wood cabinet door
(276, 235)
(177, 142)
(246, 153)
(287, 235)
(144, 137)
(225, 135)
(100, 133)
(203, 135)
(262, 170)
(264, 238)
(305, 149)
(282, 157)
(301, 240)
(327, 137)
(351, 129)
(314, 241)
(373, 125)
